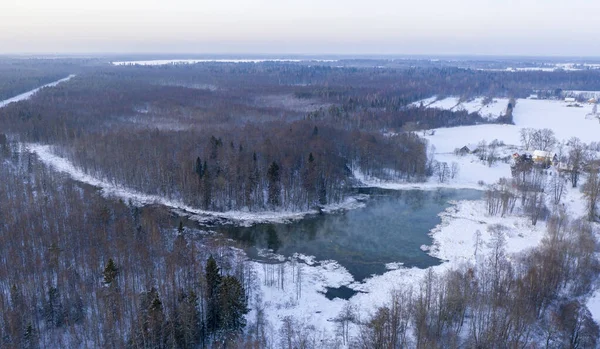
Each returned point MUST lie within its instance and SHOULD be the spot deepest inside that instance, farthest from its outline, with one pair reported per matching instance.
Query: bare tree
(591, 190)
(576, 161)
(454, 170)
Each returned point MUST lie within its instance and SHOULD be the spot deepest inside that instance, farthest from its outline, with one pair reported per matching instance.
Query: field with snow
(488, 109)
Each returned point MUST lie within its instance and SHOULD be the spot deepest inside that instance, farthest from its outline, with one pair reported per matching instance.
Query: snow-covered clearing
(566, 122)
(488, 109)
(194, 61)
(28, 95)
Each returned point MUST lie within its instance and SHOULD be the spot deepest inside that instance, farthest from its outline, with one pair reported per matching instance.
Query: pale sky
(495, 27)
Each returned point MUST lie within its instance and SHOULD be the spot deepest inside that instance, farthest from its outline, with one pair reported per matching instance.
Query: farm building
(540, 156)
(570, 100)
(467, 149)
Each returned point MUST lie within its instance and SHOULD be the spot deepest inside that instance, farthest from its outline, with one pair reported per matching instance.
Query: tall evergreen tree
(199, 169)
(110, 272)
(213, 282)
(233, 306)
(207, 188)
(274, 178)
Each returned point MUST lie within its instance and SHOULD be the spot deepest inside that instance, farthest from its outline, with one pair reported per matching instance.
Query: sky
(483, 27)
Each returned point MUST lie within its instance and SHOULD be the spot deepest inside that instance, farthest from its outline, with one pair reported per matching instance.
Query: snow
(109, 189)
(28, 95)
(312, 306)
(447, 103)
(491, 110)
(194, 61)
(426, 102)
(453, 240)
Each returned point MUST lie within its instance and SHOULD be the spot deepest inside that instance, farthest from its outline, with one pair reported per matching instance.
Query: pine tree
(233, 306)
(213, 282)
(53, 308)
(274, 184)
(199, 169)
(207, 187)
(110, 272)
(29, 337)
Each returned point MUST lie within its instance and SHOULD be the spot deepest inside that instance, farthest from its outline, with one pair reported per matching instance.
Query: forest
(78, 269)
(254, 136)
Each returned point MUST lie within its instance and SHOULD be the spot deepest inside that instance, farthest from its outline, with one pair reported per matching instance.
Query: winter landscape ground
(454, 240)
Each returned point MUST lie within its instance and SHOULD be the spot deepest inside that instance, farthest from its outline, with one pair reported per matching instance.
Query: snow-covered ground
(490, 110)
(566, 122)
(552, 67)
(453, 240)
(193, 61)
(28, 95)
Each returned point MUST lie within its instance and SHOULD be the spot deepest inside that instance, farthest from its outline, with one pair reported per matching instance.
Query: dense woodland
(100, 273)
(80, 270)
(19, 75)
(255, 136)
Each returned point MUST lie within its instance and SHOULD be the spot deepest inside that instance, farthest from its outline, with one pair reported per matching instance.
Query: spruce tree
(199, 169)
(274, 178)
(233, 306)
(213, 282)
(110, 272)
(207, 186)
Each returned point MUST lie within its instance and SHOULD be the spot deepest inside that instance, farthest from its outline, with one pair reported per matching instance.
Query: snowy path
(28, 95)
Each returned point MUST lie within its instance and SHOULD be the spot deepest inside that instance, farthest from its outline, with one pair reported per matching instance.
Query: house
(540, 157)
(592, 101)
(466, 149)
(463, 151)
(570, 100)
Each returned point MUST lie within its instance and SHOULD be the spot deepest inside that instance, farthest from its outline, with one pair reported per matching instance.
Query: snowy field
(552, 67)
(490, 110)
(453, 240)
(194, 61)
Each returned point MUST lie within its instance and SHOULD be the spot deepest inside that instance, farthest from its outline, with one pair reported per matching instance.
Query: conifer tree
(213, 282)
(233, 306)
(110, 272)
(274, 178)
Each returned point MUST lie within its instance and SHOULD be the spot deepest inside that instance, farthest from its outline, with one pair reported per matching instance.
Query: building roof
(543, 154)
